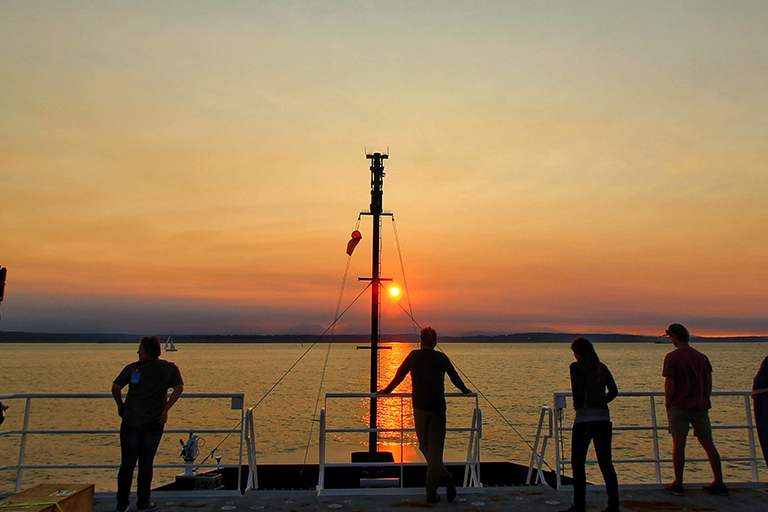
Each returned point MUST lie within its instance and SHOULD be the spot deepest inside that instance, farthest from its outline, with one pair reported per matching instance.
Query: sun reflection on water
(394, 412)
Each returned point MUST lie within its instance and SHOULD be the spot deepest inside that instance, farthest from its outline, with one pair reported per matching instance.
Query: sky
(198, 167)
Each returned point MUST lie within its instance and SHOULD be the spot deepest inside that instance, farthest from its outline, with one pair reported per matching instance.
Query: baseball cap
(678, 330)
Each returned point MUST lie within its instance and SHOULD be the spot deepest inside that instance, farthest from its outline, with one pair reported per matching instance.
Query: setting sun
(394, 291)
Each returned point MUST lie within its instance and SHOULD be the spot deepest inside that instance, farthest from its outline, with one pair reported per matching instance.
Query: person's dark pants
(761, 421)
(600, 433)
(430, 430)
(137, 444)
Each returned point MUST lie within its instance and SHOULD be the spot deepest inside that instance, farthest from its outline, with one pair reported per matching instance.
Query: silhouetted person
(428, 368)
(760, 399)
(593, 389)
(687, 388)
(144, 413)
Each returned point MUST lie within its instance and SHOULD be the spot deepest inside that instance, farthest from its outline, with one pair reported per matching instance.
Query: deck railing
(551, 427)
(471, 463)
(27, 435)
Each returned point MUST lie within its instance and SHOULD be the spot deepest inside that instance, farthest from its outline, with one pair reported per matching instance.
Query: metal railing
(471, 463)
(550, 428)
(249, 437)
(27, 434)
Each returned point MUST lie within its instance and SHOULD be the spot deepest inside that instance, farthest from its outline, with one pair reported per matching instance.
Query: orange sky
(198, 167)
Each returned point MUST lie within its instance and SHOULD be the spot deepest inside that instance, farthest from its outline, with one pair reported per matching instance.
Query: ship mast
(377, 183)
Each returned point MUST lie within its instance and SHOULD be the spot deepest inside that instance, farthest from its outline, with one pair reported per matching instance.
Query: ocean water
(514, 379)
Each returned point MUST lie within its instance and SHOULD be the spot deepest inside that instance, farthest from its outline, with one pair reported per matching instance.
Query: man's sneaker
(433, 499)
(716, 489)
(121, 508)
(675, 489)
(450, 488)
(149, 507)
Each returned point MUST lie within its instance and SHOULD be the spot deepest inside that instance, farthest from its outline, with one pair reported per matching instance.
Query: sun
(394, 291)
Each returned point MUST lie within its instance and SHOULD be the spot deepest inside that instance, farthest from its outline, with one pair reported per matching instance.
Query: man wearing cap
(687, 388)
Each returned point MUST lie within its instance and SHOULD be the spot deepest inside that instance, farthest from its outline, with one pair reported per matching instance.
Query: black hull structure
(305, 477)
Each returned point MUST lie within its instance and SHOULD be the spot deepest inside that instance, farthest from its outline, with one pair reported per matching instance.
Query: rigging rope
(494, 407)
(317, 401)
(338, 317)
(402, 269)
(479, 391)
(313, 344)
(328, 352)
(414, 323)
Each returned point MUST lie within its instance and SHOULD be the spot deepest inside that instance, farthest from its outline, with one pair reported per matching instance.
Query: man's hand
(118, 396)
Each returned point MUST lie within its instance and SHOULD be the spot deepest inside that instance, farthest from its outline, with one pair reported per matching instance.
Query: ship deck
(541, 498)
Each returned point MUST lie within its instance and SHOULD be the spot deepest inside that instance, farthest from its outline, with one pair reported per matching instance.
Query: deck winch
(190, 450)
(189, 480)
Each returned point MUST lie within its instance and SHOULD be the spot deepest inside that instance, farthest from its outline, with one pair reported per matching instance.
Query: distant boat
(169, 346)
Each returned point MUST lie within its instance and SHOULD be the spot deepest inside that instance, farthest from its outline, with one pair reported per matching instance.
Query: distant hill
(531, 337)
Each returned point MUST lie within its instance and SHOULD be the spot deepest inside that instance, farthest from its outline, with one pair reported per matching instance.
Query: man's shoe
(433, 499)
(675, 489)
(450, 488)
(717, 489)
(121, 508)
(149, 507)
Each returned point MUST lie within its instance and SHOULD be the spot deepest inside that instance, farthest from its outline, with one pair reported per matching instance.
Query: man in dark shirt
(144, 413)
(687, 388)
(428, 368)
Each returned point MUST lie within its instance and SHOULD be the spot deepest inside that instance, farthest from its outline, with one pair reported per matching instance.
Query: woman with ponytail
(593, 388)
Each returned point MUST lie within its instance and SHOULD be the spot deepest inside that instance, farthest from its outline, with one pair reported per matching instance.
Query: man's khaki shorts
(680, 419)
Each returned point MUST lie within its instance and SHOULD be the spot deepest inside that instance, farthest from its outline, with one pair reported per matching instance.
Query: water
(517, 379)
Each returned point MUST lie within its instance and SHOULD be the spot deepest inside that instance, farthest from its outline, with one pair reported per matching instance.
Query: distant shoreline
(535, 337)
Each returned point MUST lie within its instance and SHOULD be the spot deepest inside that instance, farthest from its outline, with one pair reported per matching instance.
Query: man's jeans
(430, 430)
(137, 443)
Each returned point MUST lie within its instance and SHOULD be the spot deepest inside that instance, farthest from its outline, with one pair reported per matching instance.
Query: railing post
(479, 436)
(751, 436)
(321, 457)
(535, 449)
(537, 459)
(402, 443)
(656, 452)
(240, 457)
(23, 445)
(250, 435)
(472, 466)
(559, 406)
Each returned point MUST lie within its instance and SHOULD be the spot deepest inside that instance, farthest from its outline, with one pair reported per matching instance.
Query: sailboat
(169, 346)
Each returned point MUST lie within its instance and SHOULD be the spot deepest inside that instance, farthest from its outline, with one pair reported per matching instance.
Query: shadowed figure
(428, 368)
(144, 414)
(593, 389)
(760, 399)
(687, 389)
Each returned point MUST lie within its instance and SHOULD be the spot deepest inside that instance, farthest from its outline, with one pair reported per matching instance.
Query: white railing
(471, 463)
(249, 436)
(27, 434)
(550, 428)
